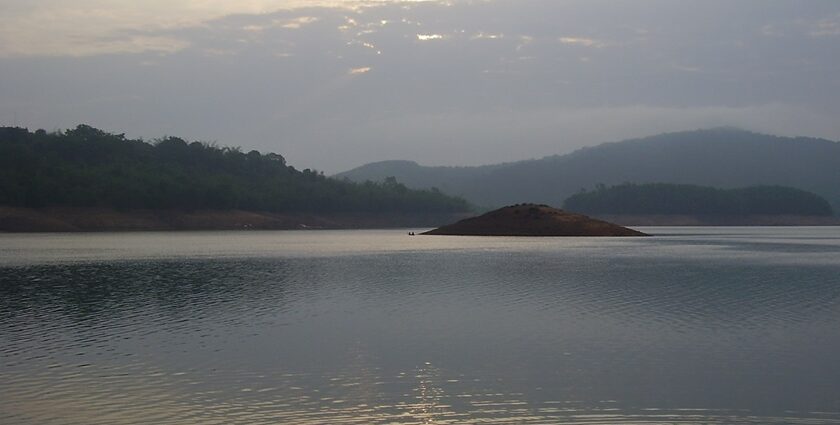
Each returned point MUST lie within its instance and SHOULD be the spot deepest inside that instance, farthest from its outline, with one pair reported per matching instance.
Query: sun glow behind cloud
(357, 71)
(485, 36)
(429, 37)
(581, 41)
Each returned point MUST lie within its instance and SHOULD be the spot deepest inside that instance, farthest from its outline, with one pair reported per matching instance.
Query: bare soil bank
(14, 219)
(721, 220)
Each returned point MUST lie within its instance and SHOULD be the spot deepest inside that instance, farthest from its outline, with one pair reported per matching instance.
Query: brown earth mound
(533, 220)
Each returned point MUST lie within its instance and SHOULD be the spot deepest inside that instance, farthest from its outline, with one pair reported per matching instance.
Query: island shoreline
(685, 220)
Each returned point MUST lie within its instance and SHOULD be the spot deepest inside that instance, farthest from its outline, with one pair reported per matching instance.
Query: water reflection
(579, 335)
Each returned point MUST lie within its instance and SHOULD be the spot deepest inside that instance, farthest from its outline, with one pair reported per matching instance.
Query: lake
(690, 326)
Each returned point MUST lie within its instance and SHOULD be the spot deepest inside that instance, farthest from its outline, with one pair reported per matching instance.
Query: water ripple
(700, 328)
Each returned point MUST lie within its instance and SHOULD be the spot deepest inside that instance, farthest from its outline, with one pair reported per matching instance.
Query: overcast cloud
(335, 84)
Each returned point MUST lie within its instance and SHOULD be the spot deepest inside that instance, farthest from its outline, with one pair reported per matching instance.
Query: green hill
(87, 167)
(670, 199)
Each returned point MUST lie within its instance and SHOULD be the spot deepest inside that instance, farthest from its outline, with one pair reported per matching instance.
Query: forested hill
(87, 167)
(725, 158)
(669, 199)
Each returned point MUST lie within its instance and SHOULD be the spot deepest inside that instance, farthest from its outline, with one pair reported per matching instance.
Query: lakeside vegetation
(88, 167)
(668, 199)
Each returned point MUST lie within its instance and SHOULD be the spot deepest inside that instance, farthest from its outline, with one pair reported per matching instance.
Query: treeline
(87, 167)
(669, 199)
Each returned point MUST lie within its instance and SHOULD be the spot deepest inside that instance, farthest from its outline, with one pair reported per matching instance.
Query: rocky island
(533, 220)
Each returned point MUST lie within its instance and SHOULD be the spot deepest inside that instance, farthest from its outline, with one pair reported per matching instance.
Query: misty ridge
(720, 158)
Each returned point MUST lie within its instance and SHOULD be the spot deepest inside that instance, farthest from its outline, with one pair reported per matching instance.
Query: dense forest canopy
(660, 198)
(88, 167)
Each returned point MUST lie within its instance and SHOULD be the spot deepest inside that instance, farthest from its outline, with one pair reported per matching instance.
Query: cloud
(298, 22)
(78, 27)
(486, 36)
(99, 46)
(828, 27)
(816, 27)
(92, 27)
(685, 68)
(581, 41)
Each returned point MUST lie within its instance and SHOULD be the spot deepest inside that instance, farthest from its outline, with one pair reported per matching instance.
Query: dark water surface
(695, 325)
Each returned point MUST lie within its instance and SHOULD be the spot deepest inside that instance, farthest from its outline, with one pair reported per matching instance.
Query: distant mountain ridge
(720, 157)
(412, 174)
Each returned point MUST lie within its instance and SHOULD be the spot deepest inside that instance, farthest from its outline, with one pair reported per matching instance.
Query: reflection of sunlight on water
(428, 408)
(426, 395)
(821, 244)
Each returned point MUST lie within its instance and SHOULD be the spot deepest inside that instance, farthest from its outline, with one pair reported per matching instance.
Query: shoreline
(76, 219)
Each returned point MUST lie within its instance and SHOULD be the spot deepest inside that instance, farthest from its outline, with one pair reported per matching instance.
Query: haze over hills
(720, 157)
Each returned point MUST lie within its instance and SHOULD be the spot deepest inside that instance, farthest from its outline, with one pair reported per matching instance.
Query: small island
(664, 204)
(533, 220)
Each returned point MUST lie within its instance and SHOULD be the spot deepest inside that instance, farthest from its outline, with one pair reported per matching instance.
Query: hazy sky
(335, 84)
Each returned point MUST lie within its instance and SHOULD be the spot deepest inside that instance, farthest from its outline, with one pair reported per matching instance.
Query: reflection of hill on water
(631, 288)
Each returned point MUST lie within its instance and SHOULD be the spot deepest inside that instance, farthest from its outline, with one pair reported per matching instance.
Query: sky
(332, 85)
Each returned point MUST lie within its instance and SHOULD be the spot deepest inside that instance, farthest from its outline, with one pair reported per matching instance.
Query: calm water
(695, 325)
